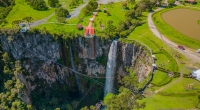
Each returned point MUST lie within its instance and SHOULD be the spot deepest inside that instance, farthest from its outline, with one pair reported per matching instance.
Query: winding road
(73, 14)
(188, 53)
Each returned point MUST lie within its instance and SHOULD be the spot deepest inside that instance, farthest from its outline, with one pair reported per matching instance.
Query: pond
(185, 21)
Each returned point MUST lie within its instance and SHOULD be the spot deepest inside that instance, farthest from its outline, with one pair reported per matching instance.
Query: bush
(108, 13)
(53, 3)
(37, 4)
(80, 27)
(62, 12)
(91, 6)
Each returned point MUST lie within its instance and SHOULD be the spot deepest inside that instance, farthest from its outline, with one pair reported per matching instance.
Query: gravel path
(188, 53)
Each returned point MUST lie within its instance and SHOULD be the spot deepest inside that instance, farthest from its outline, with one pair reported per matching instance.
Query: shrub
(80, 27)
(108, 13)
(37, 4)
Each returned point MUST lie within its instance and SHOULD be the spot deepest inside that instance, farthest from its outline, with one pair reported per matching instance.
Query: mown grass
(158, 101)
(181, 86)
(160, 50)
(160, 78)
(173, 34)
(175, 96)
(21, 10)
(117, 15)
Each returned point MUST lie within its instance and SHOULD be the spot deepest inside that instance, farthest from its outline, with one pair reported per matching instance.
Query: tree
(124, 5)
(131, 2)
(111, 29)
(62, 12)
(28, 20)
(130, 14)
(171, 2)
(130, 81)
(57, 109)
(18, 105)
(53, 3)
(29, 107)
(16, 23)
(37, 4)
(125, 100)
(6, 58)
(91, 6)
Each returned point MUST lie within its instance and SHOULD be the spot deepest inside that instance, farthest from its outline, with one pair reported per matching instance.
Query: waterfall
(73, 67)
(110, 69)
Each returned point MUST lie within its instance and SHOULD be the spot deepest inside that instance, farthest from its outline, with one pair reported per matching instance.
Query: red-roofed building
(190, 1)
(89, 32)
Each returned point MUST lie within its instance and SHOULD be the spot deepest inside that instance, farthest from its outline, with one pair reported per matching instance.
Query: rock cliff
(38, 52)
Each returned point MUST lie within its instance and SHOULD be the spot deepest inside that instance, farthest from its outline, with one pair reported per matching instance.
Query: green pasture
(175, 96)
(21, 10)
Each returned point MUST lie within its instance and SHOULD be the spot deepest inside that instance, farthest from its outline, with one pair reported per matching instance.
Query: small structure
(24, 29)
(91, 19)
(80, 27)
(154, 66)
(190, 1)
(89, 32)
(157, 3)
(104, 10)
(198, 51)
(153, 56)
(94, 13)
(196, 74)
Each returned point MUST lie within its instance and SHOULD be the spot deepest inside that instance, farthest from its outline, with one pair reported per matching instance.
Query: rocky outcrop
(134, 56)
(39, 52)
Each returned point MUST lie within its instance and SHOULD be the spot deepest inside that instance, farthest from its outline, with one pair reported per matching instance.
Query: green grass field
(171, 33)
(146, 37)
(160, 78)
(21, 10)
(117, 15)
(174, 97)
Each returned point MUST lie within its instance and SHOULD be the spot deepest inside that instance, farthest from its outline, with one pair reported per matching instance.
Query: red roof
(89, 31)
(190, 0)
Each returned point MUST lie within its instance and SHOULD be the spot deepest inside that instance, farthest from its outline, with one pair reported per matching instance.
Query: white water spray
(111, 66)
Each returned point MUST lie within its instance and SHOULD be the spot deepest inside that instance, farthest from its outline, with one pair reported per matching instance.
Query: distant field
(173, 34)
(184, 21)
(21, 10)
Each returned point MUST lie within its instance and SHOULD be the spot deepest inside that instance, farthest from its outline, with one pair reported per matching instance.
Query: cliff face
(134, 56)
(38, 52)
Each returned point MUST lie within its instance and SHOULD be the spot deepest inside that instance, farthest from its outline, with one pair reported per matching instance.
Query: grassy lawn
(175, 96)
(60, 29)
(21, 10)
(146, 37)
(117, 15)
(173, 34)
(160, 78)
(158, 101)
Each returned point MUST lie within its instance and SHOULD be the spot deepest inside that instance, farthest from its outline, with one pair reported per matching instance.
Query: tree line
(5, 7)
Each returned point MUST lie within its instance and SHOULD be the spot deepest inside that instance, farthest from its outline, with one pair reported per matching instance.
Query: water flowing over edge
(110, 68)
